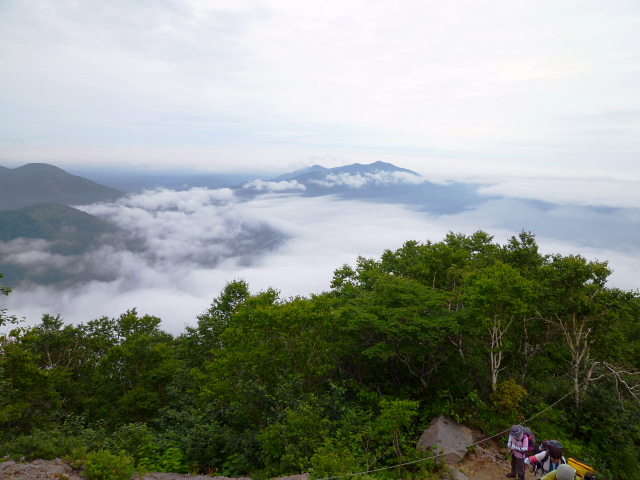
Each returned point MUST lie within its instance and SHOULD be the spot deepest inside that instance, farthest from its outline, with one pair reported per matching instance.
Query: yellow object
(581, 468)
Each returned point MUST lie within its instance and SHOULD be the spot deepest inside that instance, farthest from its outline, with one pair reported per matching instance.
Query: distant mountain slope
(53, 222)
(37, 183)
(41, 238)
(318, 173)
(374, 182)
(315, 169)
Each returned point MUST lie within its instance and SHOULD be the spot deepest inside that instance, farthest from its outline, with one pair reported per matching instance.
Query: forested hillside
(345, 380)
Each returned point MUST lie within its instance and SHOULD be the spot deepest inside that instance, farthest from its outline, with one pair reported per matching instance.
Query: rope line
(451, 451)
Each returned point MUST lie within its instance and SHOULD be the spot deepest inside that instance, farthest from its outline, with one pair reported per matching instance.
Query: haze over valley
(169, 252)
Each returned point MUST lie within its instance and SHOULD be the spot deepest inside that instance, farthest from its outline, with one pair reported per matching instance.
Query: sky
(459, 89)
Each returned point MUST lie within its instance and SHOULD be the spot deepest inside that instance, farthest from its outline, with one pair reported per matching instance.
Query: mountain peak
(39, 167)
(353, 169)
(359, 168)
(36, 183)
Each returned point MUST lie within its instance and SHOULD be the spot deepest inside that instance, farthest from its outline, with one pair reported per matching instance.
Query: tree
(5, 318)
(271, 352)
(578, 307)
(403, 326)
(497, 296)
(132, 377)
(198, 343)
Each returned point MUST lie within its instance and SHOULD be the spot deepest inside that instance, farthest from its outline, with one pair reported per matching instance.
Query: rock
(60, 470)
(176, 476)
(301, 476)
(38, 470)
(455, 474)
(448, 437)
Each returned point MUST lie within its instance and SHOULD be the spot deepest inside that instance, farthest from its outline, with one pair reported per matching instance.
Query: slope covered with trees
(342, 381)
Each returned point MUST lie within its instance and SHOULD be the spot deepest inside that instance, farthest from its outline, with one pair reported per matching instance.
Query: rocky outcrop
(177, 476)
(301, 476)
(38, 470)
(447, 436)
(60, 470)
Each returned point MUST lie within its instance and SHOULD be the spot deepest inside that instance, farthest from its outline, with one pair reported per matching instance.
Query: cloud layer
(368, 179)
(189, 244)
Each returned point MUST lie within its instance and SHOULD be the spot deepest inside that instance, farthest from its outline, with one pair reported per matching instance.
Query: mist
(186, 245)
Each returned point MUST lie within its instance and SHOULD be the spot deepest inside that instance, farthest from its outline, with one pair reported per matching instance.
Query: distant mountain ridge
(317, 172)
(374, 182)
(37, 183)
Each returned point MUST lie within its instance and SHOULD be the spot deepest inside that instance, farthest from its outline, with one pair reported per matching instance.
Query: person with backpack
(549, 458)
(532, 441)
(518, 443)
(563, 472)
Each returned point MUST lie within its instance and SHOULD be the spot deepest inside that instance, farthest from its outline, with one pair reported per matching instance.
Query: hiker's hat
(565, 472)
(517, 430)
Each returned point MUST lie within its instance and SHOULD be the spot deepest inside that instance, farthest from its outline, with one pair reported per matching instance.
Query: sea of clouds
(189, 244)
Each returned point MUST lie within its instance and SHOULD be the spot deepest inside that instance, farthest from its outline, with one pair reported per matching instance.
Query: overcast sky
(456, 88)
(536, 99)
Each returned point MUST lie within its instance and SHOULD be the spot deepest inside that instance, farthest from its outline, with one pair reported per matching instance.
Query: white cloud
(306, 239)
(579, 191)
(359, 180)
(197, 226)
(19, 245)
(266, 186)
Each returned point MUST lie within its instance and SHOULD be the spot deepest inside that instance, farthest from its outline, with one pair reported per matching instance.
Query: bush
(104, 465)
(236, 465)
(509, 399)
(44, 444)
(287, 446)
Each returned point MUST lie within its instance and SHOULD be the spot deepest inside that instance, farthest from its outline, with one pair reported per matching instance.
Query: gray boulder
(447, 436)
(300, 476)
(38, 470)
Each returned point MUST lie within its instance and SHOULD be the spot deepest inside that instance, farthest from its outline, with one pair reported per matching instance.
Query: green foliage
(46, 444)
(341, 382)
(508, 399)
(148, 451)
(104, 465)
(393, 425)
(332, 459)
(137, 440)
(465, 410)
(287, 446)
(171, 459)
(236, 465)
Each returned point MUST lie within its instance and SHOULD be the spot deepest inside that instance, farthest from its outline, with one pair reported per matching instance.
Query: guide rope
(431, 457)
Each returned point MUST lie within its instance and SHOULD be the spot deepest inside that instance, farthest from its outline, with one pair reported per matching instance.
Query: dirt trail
(487, 463)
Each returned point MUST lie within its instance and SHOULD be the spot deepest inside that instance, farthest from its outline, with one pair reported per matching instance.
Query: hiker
(518, 443)
(563, 472)
(548, 460)
(532, 441)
